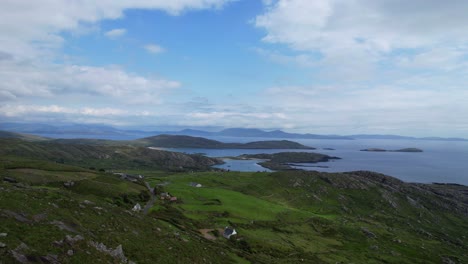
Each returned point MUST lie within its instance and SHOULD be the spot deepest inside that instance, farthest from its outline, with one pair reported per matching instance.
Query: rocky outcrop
(117, 253)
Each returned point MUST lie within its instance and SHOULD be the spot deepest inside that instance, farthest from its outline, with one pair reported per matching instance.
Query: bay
(440, 161)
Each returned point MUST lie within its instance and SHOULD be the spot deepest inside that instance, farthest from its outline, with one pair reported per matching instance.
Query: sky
(322, 66)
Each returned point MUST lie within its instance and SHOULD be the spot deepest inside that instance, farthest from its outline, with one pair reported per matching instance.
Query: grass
(304, 214)
(284, 217)
(144, 239)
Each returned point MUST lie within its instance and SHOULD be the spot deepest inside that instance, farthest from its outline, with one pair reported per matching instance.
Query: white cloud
(21, 80)
(399, 109)
(354, 37)
(154, 49)
(303, 60)
(30, 38)
(30, 42)
(396, 66)
(115, 33)
(372, 26)
(21, 110)
(30, 28)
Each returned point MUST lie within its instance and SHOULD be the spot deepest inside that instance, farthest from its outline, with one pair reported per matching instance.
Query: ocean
(440, 161)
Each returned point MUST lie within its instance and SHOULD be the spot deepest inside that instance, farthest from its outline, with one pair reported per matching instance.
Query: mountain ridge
(106, 132)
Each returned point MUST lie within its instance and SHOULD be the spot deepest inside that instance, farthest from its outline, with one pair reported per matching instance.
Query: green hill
(166, 141)
(27, 137)
(283, 217)
(175, 141)
(106, 157)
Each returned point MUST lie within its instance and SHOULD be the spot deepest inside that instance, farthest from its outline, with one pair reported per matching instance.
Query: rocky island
(285, 160)
(398, 150)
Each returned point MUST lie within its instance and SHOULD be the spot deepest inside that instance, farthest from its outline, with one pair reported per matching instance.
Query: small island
(286, 160)
(398, 150)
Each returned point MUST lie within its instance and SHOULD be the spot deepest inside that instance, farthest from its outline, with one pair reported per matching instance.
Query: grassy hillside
(283, 217)
(174, 141)
(56, 206)
(165, 141)
(313, 217)
(105, 157)
(45, 222)
(27, 137)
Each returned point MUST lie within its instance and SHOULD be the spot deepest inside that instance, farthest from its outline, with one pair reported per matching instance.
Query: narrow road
(152, 200)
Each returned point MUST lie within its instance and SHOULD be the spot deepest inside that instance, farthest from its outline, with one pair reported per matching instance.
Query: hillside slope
(283, 217)
(175, 141)
(105, 157)
(27, 137)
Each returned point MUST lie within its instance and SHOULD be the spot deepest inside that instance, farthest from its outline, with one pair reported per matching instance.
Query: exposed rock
(87, 202)
(18, 253)
(72, 240)
(136, 208)
(21, 185)
(62, 226)
(10, 179)
(2, 245)
(3, 234)
(39, 217)
(70, 252)
(116, 253)
(447, 260)
(389, 198)
(368, 233)
(50, 259)
(19, 217)
(69, 184)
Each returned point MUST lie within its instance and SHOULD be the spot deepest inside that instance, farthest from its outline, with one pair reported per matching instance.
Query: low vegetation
(71, 212)
(106, 157)
(175, 141)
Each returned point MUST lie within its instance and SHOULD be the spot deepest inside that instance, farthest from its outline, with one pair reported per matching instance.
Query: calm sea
(441, 161)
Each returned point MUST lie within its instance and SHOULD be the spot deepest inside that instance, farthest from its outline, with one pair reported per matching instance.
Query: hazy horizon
(321, 67)
(38, 129)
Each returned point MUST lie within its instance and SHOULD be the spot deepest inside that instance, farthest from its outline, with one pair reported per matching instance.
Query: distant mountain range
(159, 141)
(108, 132)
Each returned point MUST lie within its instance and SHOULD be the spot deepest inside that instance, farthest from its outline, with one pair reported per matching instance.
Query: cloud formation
(377, 65)
(355, 37)
(115, 33)
(361, 65)
(154, 49)
(364, 25)
(31, 38)
(28, 80)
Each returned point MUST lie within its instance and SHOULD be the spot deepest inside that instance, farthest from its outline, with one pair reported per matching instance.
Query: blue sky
(325, 66)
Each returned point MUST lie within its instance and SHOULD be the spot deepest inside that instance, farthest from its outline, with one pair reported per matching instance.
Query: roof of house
(229, 231)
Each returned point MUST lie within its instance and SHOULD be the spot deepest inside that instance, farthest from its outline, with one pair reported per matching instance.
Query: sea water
(440, 161)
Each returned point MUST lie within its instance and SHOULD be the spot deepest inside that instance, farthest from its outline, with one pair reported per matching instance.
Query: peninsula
(176, 141)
